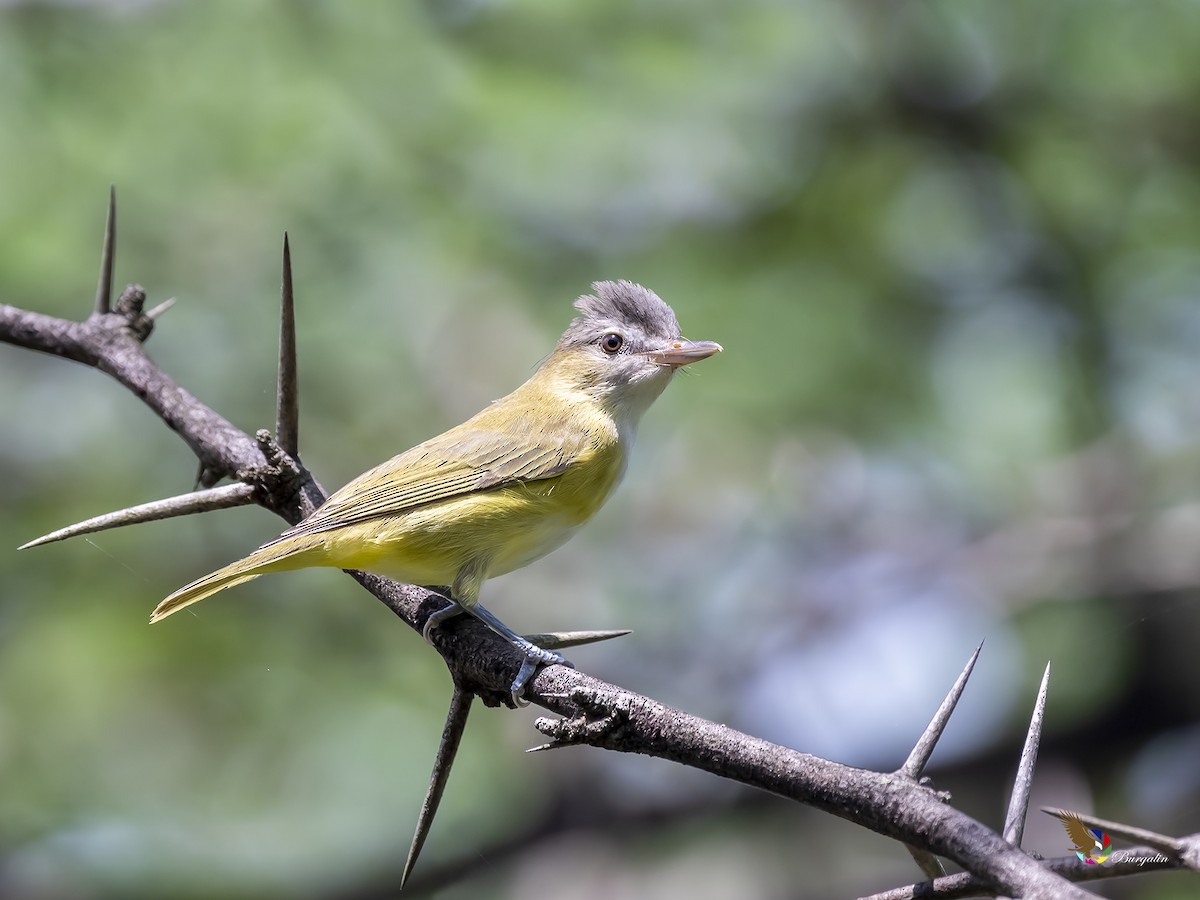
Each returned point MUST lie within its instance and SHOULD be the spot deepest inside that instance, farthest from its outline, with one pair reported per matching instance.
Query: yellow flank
(508, 527)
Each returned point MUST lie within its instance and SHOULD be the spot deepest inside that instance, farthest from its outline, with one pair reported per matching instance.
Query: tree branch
(112, 343)
(483, 664)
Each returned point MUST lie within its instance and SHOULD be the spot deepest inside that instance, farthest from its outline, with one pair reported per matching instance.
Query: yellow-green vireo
(505, 487)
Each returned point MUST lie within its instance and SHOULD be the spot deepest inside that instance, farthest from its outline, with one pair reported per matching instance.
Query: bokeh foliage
(950, 249)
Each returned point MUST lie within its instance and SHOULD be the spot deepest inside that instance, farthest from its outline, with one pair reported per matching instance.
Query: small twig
(223, 497)
(597, 715)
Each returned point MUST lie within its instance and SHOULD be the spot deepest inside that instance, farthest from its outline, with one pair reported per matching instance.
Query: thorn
(205, 477)
(184, 505)
(557, 640)
(452, 732)
(592, 722)
(160, 309)
(915, 764)
(104, 286)
(1018, 804)
(930, 865)
(287, 414)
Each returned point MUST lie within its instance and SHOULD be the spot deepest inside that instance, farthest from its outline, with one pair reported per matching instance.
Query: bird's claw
(534, 656)
(448, 611)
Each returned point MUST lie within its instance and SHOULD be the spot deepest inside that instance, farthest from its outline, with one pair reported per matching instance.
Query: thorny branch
(481, 664)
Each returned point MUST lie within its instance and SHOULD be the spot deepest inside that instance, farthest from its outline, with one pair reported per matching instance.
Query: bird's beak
(681, 352)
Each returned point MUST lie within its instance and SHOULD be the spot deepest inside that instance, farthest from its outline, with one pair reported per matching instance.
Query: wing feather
(464, 460)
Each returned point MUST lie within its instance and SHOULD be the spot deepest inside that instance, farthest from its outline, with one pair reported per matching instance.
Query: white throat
(634, 399)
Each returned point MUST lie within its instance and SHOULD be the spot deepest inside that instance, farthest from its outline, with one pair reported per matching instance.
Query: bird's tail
(274, 557)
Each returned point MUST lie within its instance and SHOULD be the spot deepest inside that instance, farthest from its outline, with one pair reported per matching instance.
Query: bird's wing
(467, 459)
(1077, 832)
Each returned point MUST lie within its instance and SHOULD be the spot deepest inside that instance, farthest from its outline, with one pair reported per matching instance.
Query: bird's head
(624, 347)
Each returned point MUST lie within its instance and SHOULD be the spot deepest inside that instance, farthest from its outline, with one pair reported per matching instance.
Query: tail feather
(271, 558)
(197, 591)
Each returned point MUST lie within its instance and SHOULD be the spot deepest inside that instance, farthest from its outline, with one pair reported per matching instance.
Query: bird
(504, 488)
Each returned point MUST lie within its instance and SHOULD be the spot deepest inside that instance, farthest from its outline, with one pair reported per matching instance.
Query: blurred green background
(950, 249)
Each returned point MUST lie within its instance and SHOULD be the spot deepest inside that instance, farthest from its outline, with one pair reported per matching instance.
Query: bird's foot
(448, 611)
(534, 655)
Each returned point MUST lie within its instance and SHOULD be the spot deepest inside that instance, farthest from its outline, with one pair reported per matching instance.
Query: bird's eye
(612, 342)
